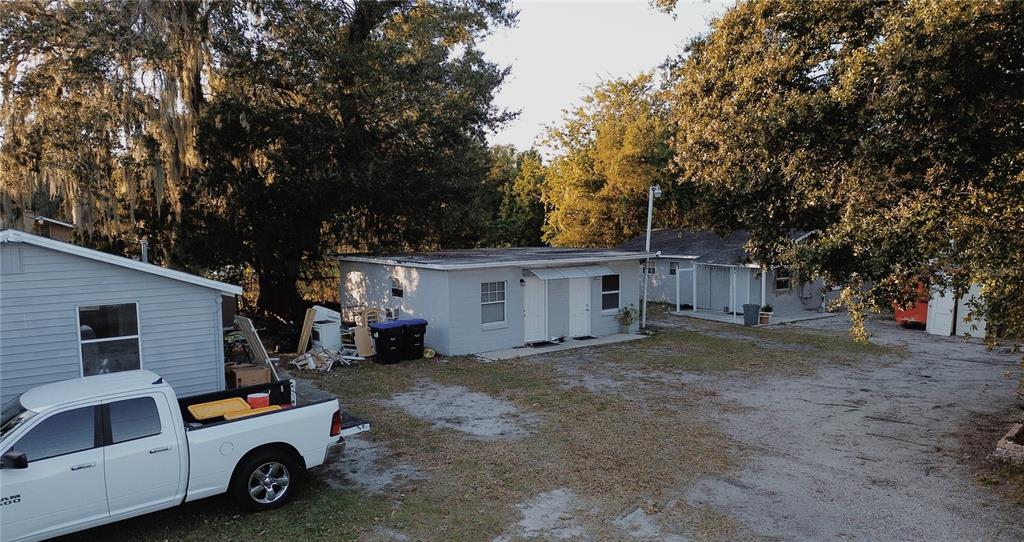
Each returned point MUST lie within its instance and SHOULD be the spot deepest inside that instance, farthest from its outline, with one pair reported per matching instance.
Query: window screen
(61, 434)
(109, 337)
(133, 419)
(673, 268)
(396, 288)
(492, 302)
(610, 292)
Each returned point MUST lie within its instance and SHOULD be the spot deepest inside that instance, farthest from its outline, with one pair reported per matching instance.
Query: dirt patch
(473, 413)
(551, 515)
(977, 436)
(860, 450)
(371, 466)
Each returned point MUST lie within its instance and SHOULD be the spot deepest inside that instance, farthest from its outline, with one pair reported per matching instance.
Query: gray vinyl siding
(558, 307)
(424, 295)
(180, 328)
(604, 322)
(469, 335)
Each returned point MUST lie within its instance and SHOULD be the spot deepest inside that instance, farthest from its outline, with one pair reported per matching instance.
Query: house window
(492, 302)
(652, 268)
(783, 280)
(610, 293)
(673, 268)
(109, 337)
(396, 287)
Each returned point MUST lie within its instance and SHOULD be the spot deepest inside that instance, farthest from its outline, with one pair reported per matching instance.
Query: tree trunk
(278, 291)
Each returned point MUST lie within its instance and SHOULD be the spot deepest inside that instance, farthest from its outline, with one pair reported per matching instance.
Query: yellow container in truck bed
(250, 412)
(216, 409)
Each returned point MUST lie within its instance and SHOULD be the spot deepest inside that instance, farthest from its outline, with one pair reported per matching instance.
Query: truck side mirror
(14, 460)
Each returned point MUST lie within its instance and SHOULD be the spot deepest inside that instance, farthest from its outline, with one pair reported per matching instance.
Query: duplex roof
(483, 258)
(700, 245)
(15, 236)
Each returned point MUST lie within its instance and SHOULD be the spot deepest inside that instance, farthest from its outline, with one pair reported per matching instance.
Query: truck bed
(282, 393)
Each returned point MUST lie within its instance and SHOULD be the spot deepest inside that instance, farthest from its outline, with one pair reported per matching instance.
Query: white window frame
(400, 288)
(78, 331)
(673, 268)
(504, 307)
(617, 292)
(788, 278)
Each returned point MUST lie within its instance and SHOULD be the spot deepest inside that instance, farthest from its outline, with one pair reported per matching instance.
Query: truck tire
(266, 480)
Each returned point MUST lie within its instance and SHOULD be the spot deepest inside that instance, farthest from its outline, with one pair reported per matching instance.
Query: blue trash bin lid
(414, 322)
(386, 325)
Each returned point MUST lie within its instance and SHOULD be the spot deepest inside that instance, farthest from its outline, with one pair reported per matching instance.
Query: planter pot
(764, 318)
(625, 329)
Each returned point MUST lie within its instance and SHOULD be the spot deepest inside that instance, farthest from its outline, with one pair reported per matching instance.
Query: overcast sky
(560, 49)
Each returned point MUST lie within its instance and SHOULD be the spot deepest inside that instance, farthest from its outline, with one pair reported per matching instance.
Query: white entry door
(535, 314)
(579, 307)
(940, 313)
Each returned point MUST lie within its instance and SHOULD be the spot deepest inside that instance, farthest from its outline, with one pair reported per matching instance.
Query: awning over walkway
(575, 272)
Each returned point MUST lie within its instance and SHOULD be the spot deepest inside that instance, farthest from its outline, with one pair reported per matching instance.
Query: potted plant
(626, 318)
(766, 314)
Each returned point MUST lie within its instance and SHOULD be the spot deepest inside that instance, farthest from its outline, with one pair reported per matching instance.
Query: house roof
(15, 236)
(482, 258)
(700, 246)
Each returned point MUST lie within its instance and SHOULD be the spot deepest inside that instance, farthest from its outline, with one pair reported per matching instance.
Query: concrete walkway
(569, 344)
(775, 320)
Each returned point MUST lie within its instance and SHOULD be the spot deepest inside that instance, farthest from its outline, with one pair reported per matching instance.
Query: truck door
(142, 454)
(63, 483)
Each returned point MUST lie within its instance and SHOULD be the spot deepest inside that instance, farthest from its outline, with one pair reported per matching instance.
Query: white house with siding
(479, 300)
(67, 311)
(703, 271)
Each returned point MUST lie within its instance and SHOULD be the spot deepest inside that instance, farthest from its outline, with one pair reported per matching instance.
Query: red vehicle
(916, 314)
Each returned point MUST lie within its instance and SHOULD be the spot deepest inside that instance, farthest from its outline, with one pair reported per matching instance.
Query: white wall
(424, 295)
(450, 302)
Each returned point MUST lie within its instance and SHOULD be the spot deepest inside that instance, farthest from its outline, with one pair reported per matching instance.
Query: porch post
(764, 283)
(694, 292)
(732, 293)
(677, 284)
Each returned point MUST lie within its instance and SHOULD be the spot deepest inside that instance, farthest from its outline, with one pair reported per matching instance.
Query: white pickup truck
(99, 449)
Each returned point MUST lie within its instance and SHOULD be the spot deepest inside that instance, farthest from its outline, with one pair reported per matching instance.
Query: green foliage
(894, 129)
(608, 152)
(511, 199)
(260, 135)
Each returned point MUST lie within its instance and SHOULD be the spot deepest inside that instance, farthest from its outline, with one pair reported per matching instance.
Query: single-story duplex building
(701, 270)
(67, 311)
(480, 300)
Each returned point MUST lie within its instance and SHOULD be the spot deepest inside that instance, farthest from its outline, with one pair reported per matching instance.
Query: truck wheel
(266, 480)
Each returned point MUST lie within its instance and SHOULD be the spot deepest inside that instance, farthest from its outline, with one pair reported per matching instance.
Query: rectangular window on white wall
(783, 279)
(673, 268)
(610, 293)
(109, 338)
(397, 290)
(492, 302)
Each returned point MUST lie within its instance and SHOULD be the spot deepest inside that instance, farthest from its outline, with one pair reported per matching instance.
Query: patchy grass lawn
(618, 426)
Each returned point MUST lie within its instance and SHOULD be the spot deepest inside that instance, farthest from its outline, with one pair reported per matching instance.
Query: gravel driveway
(864, 452)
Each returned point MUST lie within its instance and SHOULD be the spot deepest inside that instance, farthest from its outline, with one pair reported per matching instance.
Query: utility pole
(653, 192)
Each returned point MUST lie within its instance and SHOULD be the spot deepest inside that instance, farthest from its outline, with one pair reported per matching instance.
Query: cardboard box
(245, 374)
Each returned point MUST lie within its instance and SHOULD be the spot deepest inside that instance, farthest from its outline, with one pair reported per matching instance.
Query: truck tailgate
(351, 425)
